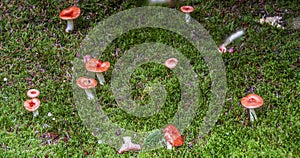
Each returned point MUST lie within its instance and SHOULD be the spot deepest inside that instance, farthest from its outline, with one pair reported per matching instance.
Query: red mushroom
(222, 49)
(33, 93)
(252, 101)
(95, 65)
(173, 136)
(128, 146)
(87, 83)
(70, 14)
(32, 105)
(187, 10)
(171, 63)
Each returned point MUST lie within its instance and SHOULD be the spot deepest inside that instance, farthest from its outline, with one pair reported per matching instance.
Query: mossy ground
(35, 52)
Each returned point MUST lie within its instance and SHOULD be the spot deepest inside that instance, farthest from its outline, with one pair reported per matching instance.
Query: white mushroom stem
(35, 113)
(253, 116)
(169, 146)
(187, 17)
(100, 77)
(70, 25)
(89, 94)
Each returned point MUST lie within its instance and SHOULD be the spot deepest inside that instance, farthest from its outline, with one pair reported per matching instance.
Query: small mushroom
(128, 146)
(187, 10)
(70, 14)
(87, 83)
(222, 49)
(171, 63)
(172, 136)
(97, 66)
(33, 93)
(32, 105)
(252, 101)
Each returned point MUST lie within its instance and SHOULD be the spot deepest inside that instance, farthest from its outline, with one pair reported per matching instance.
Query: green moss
(35, 52)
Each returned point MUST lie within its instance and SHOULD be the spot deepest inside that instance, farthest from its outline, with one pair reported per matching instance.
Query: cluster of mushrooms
(171, 133)
(33, 103)
(96, 66)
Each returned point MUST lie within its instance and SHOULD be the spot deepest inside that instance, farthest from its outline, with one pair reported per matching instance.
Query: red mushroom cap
(95, 65)
(187, 9)
(33, 93)
(86, 83)
(252, 101)
(171, 63)
(222, 49)
(32, 104)
(173, 136)
(70, 13)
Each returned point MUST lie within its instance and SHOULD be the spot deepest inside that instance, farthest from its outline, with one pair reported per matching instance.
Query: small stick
(232, 37)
